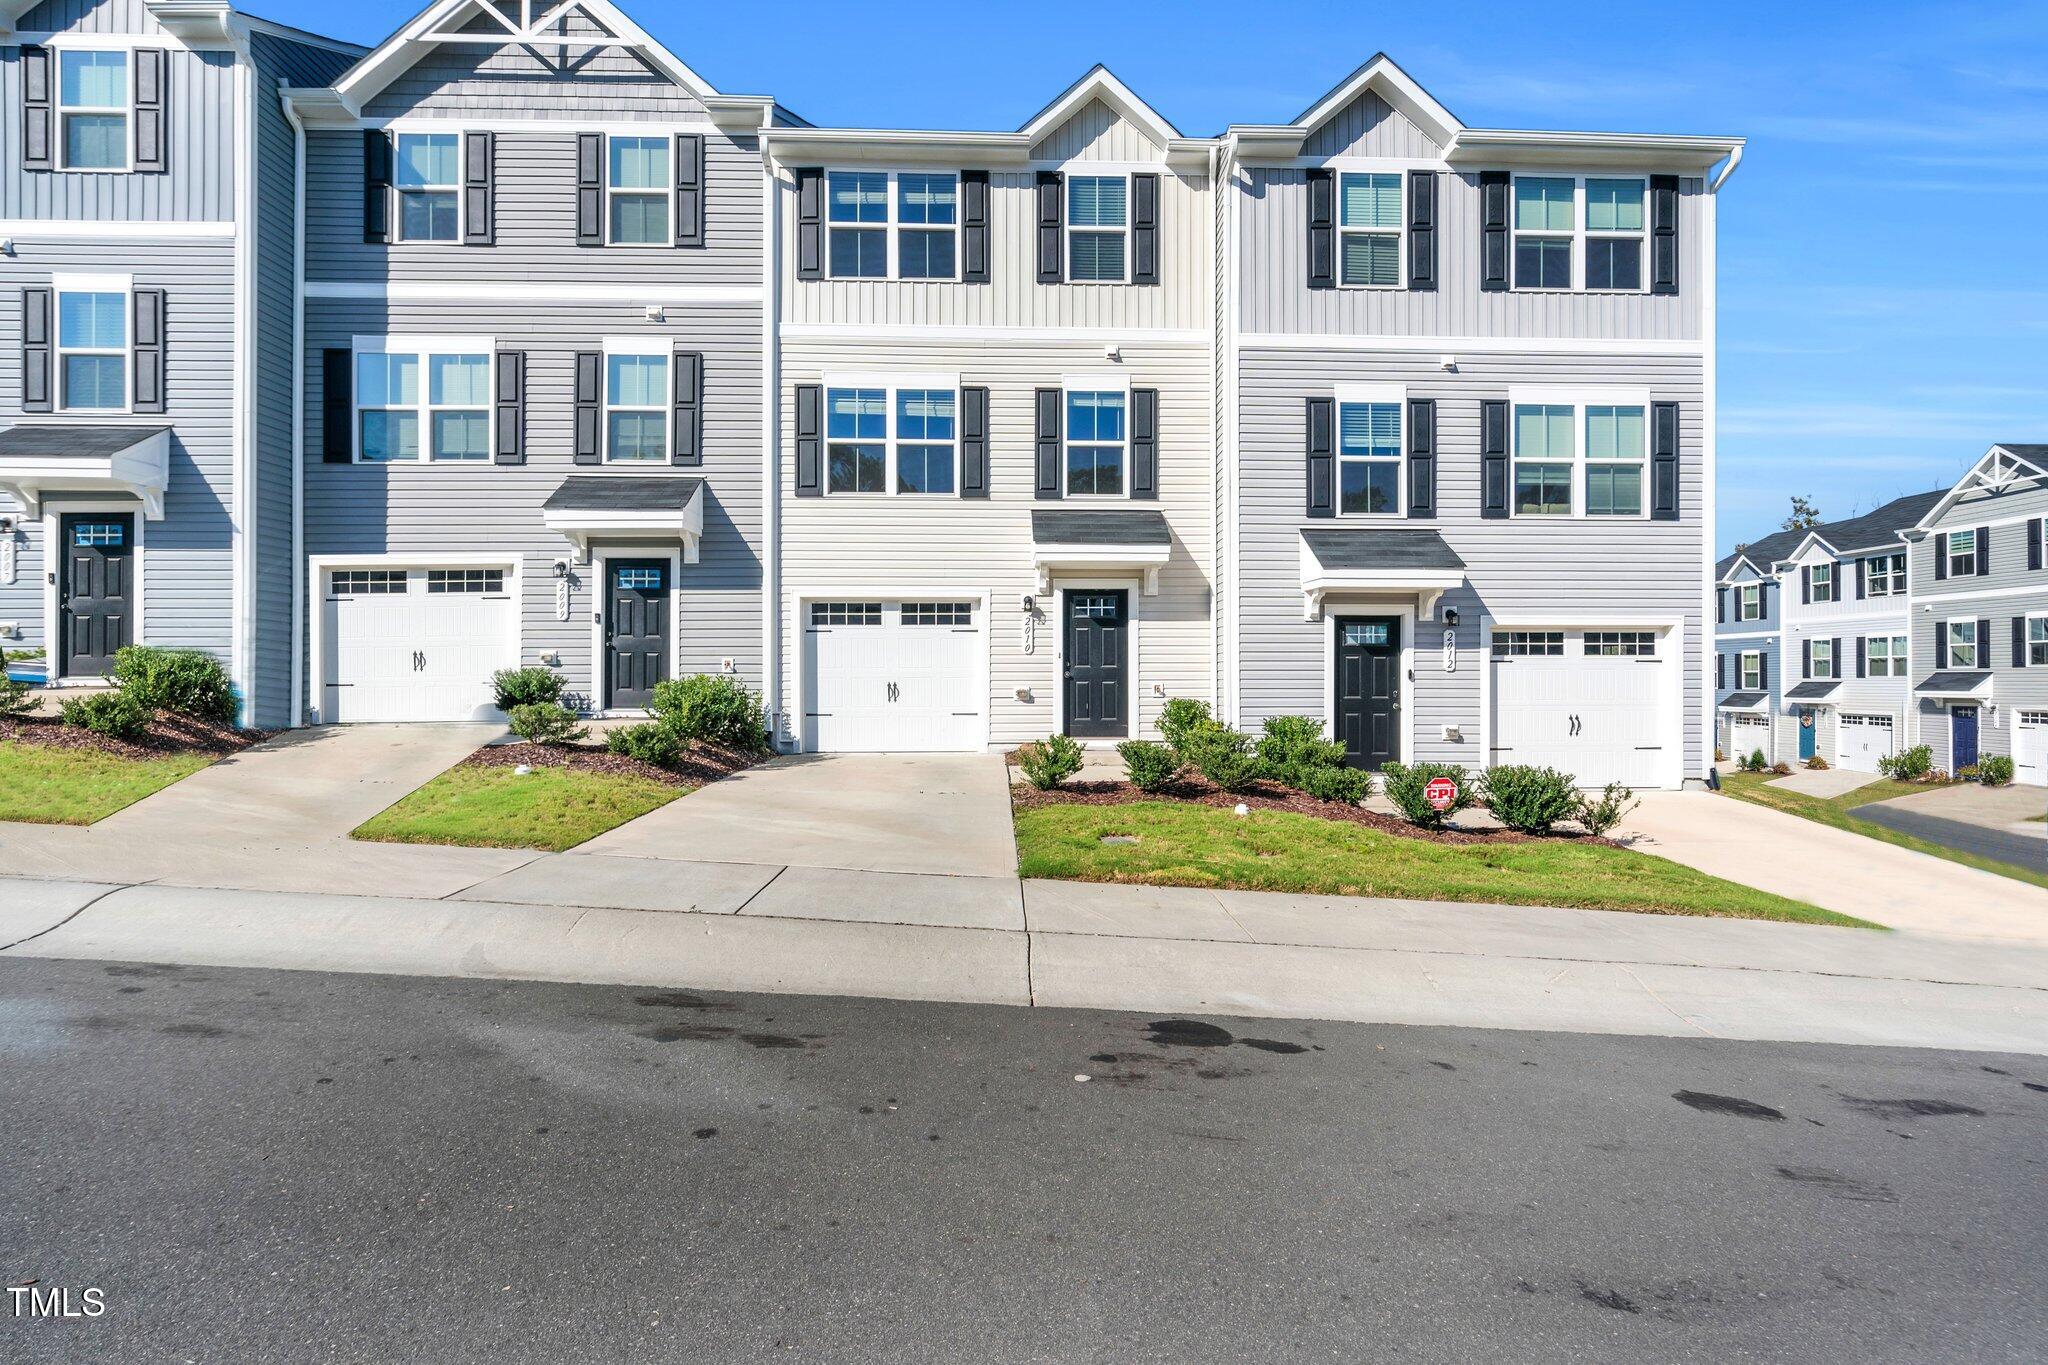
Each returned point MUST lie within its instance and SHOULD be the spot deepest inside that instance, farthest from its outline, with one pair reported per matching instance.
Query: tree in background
(1805, 516)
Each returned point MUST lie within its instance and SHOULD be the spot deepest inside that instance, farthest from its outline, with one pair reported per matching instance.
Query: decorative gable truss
(2004, 469)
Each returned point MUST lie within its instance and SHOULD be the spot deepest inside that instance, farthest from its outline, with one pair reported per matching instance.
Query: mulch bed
(1272, 796)
(167, 735)
(700, 763)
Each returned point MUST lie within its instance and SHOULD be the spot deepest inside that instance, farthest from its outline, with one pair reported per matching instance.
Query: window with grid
(1369, 224)
(846, 613)
(1962, 644)
(1752, 669)
(857, 213)
(925, 420)
(1962, 553)
(1617, 449)
(1369, 458)
(426, 172)
(393, 408)
(1096, 606)
(1545, 218)
(856, 440)
(1544, 457)
(639, 577)
(637, 186)
(92, 109)
(1884, 656)
(927, 218)
(98, 534)
(1095, 444)
(636, 408)
(92, 351)
(2037, 641)
(1621, 644)
(938, 613)
(367, 582)
(1749, 601)
(1614, 234)
(466, 580)
(1097, 222)
(1884, 575)
(1823, 579)
(1820, 659)
(1528, 644)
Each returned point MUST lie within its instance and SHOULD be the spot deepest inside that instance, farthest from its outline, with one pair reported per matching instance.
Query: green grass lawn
(45, 785)
(550, 808)
(1181, 844)
(1840, 812)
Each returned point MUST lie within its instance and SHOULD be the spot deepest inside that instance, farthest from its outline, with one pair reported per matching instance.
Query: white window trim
(1082, 383)
(1399, 231)
(892, 227)
(127, 112)
(890, 384)
(1579, 235)
(1747, 662)
(423, 348)
(1745, 593)
(1894, 576)
(1895, 647)
(1578, 399)
(2033, 619)
(663, 347)
(1813, 672)
(1976, 646)
(1354, 394)
(664, 192)
(1085, 171)
(1970, 571)
(124, 285)
(398, 236)
(1813, 573)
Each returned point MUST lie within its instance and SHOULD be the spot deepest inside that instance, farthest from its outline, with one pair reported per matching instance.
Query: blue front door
(1962, 736)
(1808, 730)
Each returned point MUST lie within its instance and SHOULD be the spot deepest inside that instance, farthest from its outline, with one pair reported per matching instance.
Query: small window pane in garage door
(938, 613)
(846, 613)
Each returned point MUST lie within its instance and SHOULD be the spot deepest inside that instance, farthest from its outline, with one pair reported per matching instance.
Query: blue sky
(1884, 246)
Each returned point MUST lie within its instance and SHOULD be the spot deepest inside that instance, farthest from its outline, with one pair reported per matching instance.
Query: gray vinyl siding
(1848, 620)
(1223, 364)
(481, 82)
(2011, 589)
(940, 546)
(1096, 132)
(1369, 126)
(1564, 568)
(186, 571)
(481, 508)
(1733, 650)
(88, 16)
(1272, 213)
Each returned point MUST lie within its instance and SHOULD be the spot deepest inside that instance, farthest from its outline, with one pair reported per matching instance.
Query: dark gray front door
(1368, 687)
(636, 631)
(1098, 665)
(98, 592)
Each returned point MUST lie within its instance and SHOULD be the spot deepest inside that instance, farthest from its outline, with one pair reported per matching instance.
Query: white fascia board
(1632, 151)
(1383, 77)
(1759, 707)
(1101, 83)
(580, 525)
(1813, 540)
(1146, 559)
(1996, 458)
(817, 146)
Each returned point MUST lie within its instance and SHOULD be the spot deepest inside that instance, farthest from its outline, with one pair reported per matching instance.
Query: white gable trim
(1101, 83)
(1399, 89)
(2000, 469)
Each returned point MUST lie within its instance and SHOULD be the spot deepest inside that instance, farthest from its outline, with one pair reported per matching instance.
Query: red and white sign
(1440, 793)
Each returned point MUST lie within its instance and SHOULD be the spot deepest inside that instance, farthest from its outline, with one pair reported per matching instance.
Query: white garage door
(895, 676)
(1590, 703)
(416, 644)
(2030, 747)
(1863, 740)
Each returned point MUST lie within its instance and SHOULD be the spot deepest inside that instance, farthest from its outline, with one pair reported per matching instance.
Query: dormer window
(1098, 224)
(1369, 228)
(92, 91)
(1749, 602)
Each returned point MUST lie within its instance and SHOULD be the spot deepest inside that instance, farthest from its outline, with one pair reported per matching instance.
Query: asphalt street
(259, 1165)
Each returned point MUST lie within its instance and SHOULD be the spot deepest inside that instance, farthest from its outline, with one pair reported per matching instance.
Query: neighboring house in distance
(996, 416)
(1467, 391)
(145, 472)
(534, 364)
(1748, 672)
(1980, 613)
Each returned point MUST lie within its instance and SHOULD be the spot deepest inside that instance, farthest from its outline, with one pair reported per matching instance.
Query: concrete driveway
(944, 813)
(1991, 822)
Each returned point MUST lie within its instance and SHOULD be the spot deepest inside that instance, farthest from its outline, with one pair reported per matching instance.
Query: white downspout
(242, 505)
(771, 453)
(299, 595)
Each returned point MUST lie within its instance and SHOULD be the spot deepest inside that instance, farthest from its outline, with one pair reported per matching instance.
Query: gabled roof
(208, 22)
(1871, 531)
(2003, 466)
(1762, 555)
(1100, 83)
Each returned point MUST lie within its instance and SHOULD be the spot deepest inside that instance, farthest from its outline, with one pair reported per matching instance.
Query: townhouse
(1748, 669)
(146, 211)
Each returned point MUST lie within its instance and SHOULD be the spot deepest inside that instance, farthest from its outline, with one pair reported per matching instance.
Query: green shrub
(1345, 786)
(546, 722)
(1603, 812)
(1293, 746)
(116, 714)
(1908, 765)
(187, 682)
(712, 709)
(517, 687)
(1151, 765)
(1529, 799)
(1406, 785)
(1223, 755)
(17, 699)
(1755, 762)
(1049, 761)
(1994, 770)
(1967, 773)
(1782, 769)
(649, 743)
(1181, 717)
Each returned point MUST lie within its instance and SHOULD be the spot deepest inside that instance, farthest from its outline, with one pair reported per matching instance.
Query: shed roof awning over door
(37, 460)
(1382, 559)
(590, 507)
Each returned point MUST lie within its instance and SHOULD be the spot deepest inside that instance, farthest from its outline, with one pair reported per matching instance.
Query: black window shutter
(1663, 462)
(810, 223)
(1144, 229)
(376, 185)
(1422, 230)
(1983, 551)
(38, 110)
(1860, 651)
(1322, 457)
(1983, 642)
(1663, 234)
(1145, 443)
(2035, 530)
(1859, 579)
(479, 197)
(1806, 658)
(1835, 658)
(337, 406)
(1493, 231)
(689, 409)
(1720, 671)
(150, 133)
(147, 305)
(974, 227)
(589, 448)
(508, 410)
(2019, 642)
(1493, 458)
(1941, 554)
(1421, 457)
(689, 189)
(1763, 671)
(37, 387)
(1720, 606)
(974, 436)
(1322, 229)
(1052, 246)
(1835, 582)
(1941, 644)
(1805, 585)
(810, 426)
(1046, 442)
(590, 189)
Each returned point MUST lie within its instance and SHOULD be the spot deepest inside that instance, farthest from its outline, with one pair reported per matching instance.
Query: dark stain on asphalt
(1994, 1071)
(1443, 1066)
(1104, 1057)
(195, 1030)
(1273, 1045)
(771, 1040)
(142, 969)
(2033, 1085)
(1187, 1033)
(131, 990)
(1727, 1104)
(684, 1000)
(1840, 1186)
(1609, 1298)
(685, 1033)
(1911, 1109)
(703, 1133)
